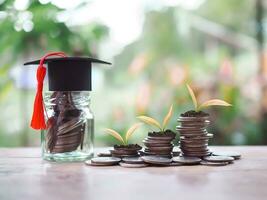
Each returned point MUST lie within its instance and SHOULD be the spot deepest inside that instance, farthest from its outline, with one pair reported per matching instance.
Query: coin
(151, 141)
(133, 165)
(69, 140)
(182, 145)
(235, 155)
(104, 154)
(156, 160)
(123, 155)
(120, 153)
(182, 128)
(157, 145)
(193, 134)
(163, 139)
(130, 147)
(196, 154)
(106, 160)
(65, 148)
(129, 152)
(90, 163)
(204, 151)
(133, 160)
(168, 148)
(194, 118)
(203, 162)
(199, 137)
(219, 158)
(186, 160)
(193, 123)
(158, 153)
(200, 141)
(143, 153)
(173, 164)
(70, 134)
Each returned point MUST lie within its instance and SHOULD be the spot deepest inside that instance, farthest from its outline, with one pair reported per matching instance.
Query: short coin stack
(194, 137)
(123, 151)
(159, 144)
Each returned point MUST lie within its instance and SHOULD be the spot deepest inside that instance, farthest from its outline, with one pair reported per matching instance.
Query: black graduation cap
(69, 73)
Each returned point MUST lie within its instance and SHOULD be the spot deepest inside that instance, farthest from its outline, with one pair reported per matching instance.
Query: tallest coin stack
(194, 137)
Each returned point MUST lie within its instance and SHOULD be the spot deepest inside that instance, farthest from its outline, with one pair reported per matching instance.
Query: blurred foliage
(235, 15)
(172, 51)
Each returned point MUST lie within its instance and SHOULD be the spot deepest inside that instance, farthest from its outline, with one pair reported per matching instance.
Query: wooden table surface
(25, 176)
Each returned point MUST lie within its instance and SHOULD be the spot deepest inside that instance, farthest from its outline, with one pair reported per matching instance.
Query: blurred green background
(156, 47)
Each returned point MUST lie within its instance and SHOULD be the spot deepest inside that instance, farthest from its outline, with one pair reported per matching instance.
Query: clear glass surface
(70, 127)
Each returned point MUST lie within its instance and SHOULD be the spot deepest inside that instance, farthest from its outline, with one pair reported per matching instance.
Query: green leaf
(167, 118)
(150, 121)
(213, 102)
(131, 130)
(193, 97)
(115, 134)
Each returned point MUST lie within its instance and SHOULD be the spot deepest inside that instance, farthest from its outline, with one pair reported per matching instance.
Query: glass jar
(70, 126)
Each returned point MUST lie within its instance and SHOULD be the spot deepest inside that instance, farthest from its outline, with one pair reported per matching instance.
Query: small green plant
(212, 102)
(153, 122)
(128, 134)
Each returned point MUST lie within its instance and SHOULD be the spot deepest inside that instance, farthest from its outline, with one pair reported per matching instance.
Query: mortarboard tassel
(38, 118)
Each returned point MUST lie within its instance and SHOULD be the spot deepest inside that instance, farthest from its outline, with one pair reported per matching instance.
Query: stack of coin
(66, 128)
(159, 144)
(194, 137)
(121, 151)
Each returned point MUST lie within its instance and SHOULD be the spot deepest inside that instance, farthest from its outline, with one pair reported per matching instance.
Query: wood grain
(25, 176)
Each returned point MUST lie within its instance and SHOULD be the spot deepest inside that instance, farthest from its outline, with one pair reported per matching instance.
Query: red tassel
(38, 118)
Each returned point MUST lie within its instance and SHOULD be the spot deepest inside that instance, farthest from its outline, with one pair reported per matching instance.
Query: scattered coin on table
(133, 160)
(106, 160)
(157, 160)
(235, 155)
(186, 160)
(90, 163)
(131, 165)
(172, 164)
(218, 158)
(207, 163)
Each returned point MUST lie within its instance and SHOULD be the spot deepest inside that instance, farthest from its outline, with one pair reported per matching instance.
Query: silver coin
(158, 160)
(106, 160)
(186, 160)
(131, 165)
(90, 163)
(235, 155)
(173, 164)
(70, 125)
(133, 160)
(151, 141)
(104, 154)
(193, 134)
(207, 163)
(208, 136)
(69, 134)
(182, 128)
(167, 148)
(194, 118)
(195, 124)
(196, 154)
(218, 158)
